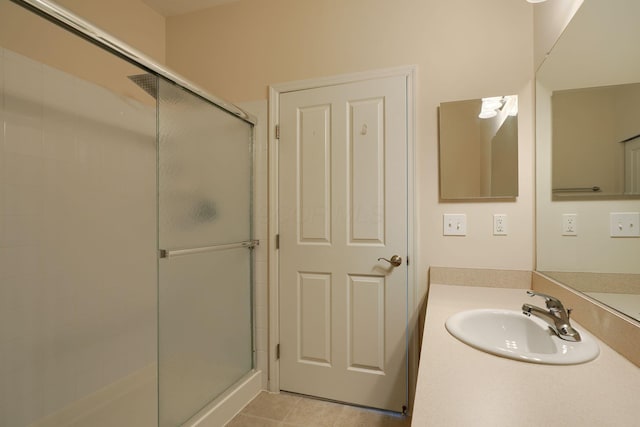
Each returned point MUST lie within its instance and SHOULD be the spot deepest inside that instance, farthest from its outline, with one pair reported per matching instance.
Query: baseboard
(229, 404)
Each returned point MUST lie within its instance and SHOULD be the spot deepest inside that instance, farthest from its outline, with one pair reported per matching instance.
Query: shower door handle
(166, 253)
(395, 260)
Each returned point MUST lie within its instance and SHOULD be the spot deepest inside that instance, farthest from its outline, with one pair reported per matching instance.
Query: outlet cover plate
(499, 224)
(569, 224)
(454, 224)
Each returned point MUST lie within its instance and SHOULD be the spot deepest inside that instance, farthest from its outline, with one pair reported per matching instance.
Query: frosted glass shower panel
(205, 294)
(205, 341)
(78, 278)
(205, 175)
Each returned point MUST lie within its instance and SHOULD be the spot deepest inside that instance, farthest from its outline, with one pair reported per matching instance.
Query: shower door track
(169, 253)
(95, 35)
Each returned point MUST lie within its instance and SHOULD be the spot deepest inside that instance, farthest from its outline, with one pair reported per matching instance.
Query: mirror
(479, 148)
(598, 129)
(587, 91)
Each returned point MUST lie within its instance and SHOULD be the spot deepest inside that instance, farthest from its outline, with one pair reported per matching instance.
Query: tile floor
(290, 410)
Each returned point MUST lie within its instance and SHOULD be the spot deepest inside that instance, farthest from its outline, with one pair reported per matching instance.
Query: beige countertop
(460, 386)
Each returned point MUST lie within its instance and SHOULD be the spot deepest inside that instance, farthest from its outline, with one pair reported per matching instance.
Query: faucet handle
(550, 301)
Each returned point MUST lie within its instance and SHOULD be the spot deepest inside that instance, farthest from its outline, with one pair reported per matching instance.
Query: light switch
(625, 224)
(454, 225)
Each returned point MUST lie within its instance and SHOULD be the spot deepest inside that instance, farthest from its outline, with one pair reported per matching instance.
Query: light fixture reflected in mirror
(491, 106)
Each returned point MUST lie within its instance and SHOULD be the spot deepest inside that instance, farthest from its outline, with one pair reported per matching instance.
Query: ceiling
(179, 7)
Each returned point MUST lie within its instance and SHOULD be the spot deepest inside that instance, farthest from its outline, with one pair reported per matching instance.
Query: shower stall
(126, 241)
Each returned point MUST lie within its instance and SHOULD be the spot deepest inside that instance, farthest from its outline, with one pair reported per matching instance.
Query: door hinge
(277, 351)
(277, 131)
(277, 241)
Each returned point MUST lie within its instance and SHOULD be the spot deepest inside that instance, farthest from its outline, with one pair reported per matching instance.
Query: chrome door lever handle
(395, 260)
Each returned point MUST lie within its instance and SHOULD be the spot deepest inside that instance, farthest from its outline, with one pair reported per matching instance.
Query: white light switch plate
(625, 224)
(454, 225)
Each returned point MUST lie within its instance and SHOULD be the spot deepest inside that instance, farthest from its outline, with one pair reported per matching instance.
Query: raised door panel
(314, 174)
(366, 171)
(314, 318)
(366, 324)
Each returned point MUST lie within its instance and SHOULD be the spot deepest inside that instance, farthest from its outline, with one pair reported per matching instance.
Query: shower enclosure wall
(125, 233)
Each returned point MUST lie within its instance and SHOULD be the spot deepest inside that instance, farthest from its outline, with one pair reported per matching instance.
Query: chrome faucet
(557, 317)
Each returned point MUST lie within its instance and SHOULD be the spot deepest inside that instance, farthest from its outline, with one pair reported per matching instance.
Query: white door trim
(631, 166)
(275, 91)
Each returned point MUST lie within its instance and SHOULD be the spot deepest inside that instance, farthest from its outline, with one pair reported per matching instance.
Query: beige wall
(131, 21)
(550, 20)
(463, 50)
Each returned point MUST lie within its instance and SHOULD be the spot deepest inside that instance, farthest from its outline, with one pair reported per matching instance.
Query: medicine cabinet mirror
(478, 150)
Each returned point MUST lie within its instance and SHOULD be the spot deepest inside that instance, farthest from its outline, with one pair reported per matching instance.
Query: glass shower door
(205, 333)
(78, 313)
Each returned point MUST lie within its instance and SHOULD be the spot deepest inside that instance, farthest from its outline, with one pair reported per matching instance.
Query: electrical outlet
(625, 224)
(569, 224)
(454, 224)
(499, 224)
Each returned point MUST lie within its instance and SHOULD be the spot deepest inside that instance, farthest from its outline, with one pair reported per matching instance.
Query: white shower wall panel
(77, 238)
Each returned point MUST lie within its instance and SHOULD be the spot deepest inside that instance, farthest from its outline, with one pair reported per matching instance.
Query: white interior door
(343, 205)
(632, 167)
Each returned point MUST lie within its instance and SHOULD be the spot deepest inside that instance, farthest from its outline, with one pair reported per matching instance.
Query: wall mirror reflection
(479, 148)
(588, 91)
(596, 141)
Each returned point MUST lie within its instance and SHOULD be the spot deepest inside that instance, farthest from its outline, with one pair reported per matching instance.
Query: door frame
(409, 72)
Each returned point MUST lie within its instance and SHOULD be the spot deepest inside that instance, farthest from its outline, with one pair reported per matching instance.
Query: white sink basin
(511, 334)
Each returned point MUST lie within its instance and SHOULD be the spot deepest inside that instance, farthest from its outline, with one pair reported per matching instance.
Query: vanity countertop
(460, 386)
